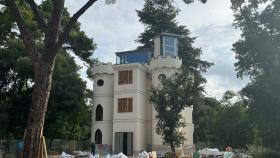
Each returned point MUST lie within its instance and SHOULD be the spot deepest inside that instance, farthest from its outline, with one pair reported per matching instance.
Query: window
(169, 46)
(99, 113)
(125, 77)
(100, 82)
(158, 131)
(161, 77)
(98, 137)
(137, 56)
(125, 105)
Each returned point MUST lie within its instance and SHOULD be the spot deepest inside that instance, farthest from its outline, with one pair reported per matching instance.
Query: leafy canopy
(257, 53)
(169, 99)
(68, 115)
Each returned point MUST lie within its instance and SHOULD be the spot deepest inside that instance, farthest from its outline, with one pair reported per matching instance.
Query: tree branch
(41, 22)
(72, 22)
(26, 35)
(54, 26)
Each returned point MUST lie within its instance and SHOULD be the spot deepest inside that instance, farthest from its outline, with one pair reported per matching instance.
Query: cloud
(115, 27)
(214, 12)
(216, 42)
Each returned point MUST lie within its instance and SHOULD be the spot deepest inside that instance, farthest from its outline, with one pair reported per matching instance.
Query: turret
(166, 44)
(164, 63)
(102, 113)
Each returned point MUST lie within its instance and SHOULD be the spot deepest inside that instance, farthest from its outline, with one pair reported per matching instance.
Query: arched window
(99, 113)
(98, 137)
(161, 77)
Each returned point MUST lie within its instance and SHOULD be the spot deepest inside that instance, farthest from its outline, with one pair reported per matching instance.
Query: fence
(54, 147)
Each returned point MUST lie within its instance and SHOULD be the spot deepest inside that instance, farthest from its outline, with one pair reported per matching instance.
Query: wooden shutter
(125, 77)
(125, 104)
(129, 104)
(122, 104)
(129, 77)
(122, 77)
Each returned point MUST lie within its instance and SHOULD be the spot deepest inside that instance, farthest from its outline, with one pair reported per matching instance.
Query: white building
(123, 119)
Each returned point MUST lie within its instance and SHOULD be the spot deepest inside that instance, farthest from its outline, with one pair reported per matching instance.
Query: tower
(102, 113)
(164, 63)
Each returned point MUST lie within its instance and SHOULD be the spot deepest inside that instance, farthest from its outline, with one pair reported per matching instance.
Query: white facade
(134, 130)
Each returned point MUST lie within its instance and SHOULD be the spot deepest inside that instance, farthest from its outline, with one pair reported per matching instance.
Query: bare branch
(26, 35)
(72, 22)
(38, 16)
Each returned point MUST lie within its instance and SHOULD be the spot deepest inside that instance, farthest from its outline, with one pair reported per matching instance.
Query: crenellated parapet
(160, 62)
(103, 68)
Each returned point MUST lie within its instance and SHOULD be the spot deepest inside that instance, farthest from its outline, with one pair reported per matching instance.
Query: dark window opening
(100, 82)
(98, 137)
(161, 77)
(99, 113)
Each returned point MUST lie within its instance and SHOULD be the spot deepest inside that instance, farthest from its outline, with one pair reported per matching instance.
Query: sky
(115, 27)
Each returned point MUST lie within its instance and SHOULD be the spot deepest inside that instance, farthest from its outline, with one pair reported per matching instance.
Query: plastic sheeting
(228, 154)
(143, 154)
(65, 155)
(120, 155)
(209, 152)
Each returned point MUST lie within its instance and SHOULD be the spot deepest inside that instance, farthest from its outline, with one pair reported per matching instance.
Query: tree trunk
(173, 152)
(72, 129)
(40, 96)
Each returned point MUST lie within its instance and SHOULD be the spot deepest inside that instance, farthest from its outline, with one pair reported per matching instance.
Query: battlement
(165, 62)
(103, 68)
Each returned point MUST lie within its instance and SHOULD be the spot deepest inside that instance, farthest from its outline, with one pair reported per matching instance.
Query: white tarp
(121, 155)
(143, 154)
(81, 153)
(65, 155)
(209, 152)
(228, 154)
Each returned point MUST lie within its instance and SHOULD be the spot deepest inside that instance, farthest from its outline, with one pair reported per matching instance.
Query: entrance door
(124, 143)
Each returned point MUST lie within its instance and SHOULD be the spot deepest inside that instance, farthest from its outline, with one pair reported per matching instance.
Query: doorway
(124, 143)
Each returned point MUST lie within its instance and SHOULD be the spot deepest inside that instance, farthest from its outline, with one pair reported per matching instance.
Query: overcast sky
(115, 27)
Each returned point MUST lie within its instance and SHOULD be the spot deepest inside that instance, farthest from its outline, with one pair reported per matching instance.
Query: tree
(204, 114)
(68, 116)
(160, 16)
(257, 54)
(169, 99)
(230, 123)
(42, 47)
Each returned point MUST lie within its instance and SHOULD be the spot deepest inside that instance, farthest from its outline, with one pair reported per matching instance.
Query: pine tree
(160, 16)
(43, 37)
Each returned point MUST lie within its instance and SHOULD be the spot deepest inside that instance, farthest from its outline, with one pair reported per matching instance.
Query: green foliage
(230, 124)
(169, 99)
(202, 115)
(257, 54)
(160, 16)
(68, 115)
(226, 122)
